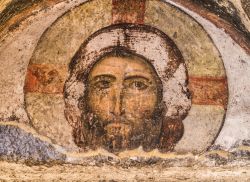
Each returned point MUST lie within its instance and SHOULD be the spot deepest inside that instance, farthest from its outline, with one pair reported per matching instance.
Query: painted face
(122, 93)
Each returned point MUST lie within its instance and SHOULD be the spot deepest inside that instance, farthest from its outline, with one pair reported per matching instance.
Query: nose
(117, 109)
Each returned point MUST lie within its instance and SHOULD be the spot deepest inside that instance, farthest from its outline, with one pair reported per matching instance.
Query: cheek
(140, 105)
(100, 103)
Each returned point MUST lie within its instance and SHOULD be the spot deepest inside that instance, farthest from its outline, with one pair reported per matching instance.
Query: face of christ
(122, 96)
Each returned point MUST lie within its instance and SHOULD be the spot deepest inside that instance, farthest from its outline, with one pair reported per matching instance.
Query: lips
(119, 120)
(118, 129)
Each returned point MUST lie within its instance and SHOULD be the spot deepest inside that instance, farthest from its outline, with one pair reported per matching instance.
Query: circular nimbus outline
(172, 6)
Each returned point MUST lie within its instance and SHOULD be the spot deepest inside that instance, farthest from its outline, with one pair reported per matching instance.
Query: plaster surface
(17, 47)
(112, 173)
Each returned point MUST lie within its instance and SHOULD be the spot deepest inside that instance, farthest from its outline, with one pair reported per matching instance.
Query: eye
(103, 84)
(138, 85)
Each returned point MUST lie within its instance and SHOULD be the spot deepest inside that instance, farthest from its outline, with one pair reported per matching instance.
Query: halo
(207, 79)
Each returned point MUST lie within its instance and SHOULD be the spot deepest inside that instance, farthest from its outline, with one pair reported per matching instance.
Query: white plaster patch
(199, 135)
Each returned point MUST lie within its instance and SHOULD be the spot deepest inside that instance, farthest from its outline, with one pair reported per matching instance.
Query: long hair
(170, 110)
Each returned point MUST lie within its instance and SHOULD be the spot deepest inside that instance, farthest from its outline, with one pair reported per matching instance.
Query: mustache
(93, 120)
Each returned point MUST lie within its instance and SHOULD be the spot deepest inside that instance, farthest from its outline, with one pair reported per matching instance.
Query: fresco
(100, 79)
(101, 87)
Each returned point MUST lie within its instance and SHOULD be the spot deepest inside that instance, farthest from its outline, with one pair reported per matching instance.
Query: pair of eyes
(135, 83)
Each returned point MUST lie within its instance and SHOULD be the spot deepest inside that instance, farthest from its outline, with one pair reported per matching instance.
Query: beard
(117, 136)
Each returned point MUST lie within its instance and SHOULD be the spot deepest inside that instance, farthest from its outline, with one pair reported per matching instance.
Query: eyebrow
(136, 73)
(103, 76)
(137, 77)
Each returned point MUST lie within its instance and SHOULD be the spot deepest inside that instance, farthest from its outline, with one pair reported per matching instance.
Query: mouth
(118, 129)
(116, 122)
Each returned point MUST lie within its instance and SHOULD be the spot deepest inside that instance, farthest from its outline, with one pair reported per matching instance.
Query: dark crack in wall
(225, 10)
(15, 7)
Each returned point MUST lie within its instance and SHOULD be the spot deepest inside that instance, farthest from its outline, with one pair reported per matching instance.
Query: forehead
(121, 65)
